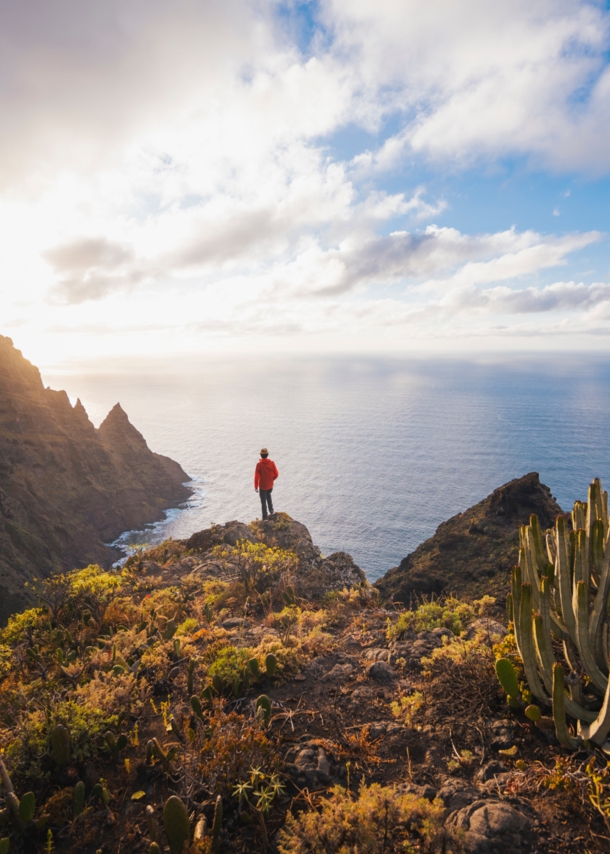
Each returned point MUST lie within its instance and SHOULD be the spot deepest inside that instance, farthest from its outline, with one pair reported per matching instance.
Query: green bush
(449, 613)
(230, 664)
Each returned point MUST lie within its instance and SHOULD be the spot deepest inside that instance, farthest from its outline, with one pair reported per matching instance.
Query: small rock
(457, 794)
(339, 673)
(492, 827)
(234, 623)
(377, 654)
(360, 695)
(380, 671)
(491, 770)
(502, 734)
(311, 765)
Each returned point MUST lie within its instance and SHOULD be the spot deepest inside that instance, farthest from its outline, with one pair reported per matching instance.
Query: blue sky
(341, 175)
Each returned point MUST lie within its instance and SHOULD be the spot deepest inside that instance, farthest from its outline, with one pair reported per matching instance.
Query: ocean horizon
(374, 452)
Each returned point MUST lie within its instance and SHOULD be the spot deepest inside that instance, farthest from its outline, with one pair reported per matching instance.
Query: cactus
(254, 668)
(170, 630)
(165, 757)
(217, 825)
(507, 676)
(101, 793)
(4, 846)
(263, 709)
(270, 665)
(196, 707)
(189, 676)
(60, 745)
(154, 848)
(153, 827)
(27, 806)
(115, 745)
(78, 799)
(289, 597)
(176, 823)
(176, 648)
(11, 799)
(561, 592)
(201, 830)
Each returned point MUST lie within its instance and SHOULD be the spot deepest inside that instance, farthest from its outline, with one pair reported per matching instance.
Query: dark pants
(266, 501)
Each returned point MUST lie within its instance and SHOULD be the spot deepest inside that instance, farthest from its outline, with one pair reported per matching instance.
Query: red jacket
(265, 473)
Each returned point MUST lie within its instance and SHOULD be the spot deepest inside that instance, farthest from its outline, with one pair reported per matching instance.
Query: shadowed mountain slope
(471, 553)
(65, 487)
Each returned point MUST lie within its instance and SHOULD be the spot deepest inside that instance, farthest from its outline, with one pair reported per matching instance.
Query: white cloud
(482, 78)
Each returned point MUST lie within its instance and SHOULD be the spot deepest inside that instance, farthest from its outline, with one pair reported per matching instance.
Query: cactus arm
(569, 651)
(579, 516)
(559, 711)
(597, 548)
(544, 655)
(528, 652)
(584, 648)
(546, 661)
(12, 801)
(516, 591)
(517, 583)
(599, 729)
(563, 576)
(581, 564)
(598, 616)
(533, 575)
(538, 552)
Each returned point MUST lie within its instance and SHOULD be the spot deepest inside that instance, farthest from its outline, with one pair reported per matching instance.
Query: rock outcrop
(315, 575)
(65, 487)
(471, 553)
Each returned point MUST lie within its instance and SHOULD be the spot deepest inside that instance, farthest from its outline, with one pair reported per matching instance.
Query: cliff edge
(471, 553)
(66, 488)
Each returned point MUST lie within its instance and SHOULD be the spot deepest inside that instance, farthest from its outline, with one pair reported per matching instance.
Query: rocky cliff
(66, 488)
(471, 553)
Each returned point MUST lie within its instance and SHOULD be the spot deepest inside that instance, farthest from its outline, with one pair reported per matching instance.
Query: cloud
(475, 78)
(560, 296)
(92, 268)
(404, 256)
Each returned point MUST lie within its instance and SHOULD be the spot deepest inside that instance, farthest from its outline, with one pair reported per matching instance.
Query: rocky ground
(362, 694)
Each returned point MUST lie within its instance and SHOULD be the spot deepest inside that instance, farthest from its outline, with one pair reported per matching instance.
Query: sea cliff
(67, 488)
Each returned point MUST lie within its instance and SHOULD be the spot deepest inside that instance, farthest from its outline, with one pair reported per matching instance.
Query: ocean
(373, 452)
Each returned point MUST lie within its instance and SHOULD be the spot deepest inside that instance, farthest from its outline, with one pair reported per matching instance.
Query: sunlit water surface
(373, 453)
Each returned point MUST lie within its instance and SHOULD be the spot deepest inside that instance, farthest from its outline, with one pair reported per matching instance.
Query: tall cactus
(561, 599)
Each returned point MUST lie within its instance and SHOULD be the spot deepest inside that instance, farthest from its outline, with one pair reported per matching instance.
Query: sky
(336, 175)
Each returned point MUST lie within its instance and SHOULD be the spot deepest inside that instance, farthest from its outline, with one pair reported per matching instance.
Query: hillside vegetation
(239, 692)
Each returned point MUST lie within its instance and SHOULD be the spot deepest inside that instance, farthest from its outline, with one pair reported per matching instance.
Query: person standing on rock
(264, 476)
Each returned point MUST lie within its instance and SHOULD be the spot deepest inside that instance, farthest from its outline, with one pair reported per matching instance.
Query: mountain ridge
(66, 487)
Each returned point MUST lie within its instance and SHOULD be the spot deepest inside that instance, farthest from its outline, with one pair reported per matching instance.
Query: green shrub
(229, 665)
(449, 613)
(19, 625)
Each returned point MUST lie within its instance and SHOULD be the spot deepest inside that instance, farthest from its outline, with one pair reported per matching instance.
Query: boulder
(492, 827)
